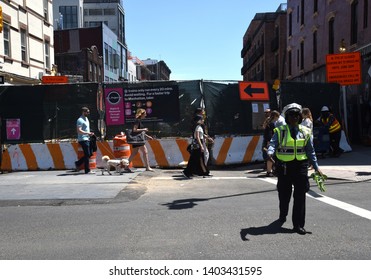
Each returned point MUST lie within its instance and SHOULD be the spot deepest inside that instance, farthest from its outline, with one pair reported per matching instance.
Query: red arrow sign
(254, 91)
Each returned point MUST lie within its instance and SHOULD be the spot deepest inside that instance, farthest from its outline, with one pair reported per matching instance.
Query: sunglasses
(294, 114)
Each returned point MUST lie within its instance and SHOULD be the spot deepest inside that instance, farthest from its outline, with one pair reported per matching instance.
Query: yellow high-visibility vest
(289, 148)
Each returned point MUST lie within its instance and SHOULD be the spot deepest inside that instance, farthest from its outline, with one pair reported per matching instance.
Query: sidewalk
(353, 166)
(62, 187)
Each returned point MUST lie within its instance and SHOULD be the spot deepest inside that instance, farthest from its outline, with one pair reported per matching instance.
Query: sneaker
(270, 174)
(90, 172)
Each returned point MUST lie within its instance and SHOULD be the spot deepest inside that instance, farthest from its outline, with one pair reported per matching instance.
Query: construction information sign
(344, 68)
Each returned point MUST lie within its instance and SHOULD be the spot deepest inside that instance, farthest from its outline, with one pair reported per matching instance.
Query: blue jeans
(87, 154)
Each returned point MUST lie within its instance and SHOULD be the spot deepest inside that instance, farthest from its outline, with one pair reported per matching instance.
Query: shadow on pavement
(190, 202)
(273, 228)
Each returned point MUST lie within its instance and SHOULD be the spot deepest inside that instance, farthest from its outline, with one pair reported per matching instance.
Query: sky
(197, 39)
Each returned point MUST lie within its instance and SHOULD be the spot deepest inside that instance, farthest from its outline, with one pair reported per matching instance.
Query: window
(23, 45)
(95, 12)
(290, 62)
(331, 43)
(302, 12)
(6, 32)
(69, 16)
(109, 12)
(106, 56)
(47, 54)
(46, 10)
(354, 22)
(290, 24)
(302, 55)
(365, 14)
(315, 47)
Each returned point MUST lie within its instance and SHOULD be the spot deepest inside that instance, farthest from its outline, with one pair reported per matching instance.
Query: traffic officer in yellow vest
(292, 145)
(329, 121)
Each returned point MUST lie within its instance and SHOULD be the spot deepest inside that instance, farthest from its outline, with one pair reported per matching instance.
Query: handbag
(135, 138)
(193, 146)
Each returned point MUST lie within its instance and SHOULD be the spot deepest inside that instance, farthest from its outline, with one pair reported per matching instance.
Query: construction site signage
(344, 68)
(13, 129)
(54, 79)
(253, 91)
(114, 106)
(160, 102)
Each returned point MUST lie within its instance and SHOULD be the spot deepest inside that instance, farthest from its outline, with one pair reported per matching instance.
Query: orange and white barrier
(164, 153)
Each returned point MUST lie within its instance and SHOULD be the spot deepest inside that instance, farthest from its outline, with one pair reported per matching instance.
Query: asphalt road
(163, 216)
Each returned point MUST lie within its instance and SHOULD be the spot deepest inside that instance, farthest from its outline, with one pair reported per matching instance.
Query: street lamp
(342, 47)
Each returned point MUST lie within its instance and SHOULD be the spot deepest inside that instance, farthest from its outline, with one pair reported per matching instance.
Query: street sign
(13, 129)
(254, 91)
(344, 68)
(54, 79)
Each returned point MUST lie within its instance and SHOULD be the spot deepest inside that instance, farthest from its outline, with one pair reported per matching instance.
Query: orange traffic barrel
(121, 149)
(92, 159)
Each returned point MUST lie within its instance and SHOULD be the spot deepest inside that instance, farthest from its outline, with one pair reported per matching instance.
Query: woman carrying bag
(196, 163)
(137, 129)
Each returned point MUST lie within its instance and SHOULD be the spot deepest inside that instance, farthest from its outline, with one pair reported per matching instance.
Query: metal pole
(344, 90)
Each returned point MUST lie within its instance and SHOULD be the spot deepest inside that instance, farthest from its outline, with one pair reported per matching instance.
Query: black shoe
(282, 219)
(76, 167)
(300, 230)
(128, 170)
(185, 175)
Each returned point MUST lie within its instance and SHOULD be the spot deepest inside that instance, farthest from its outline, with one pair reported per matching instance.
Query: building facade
(159, 70)
(264, 47)
(72, 41)
(68, 14)
(27, 48)
(112, 14)
(321, 27)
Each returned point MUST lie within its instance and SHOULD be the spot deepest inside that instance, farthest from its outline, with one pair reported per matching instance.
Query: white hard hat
(325, 109)
(292, 107)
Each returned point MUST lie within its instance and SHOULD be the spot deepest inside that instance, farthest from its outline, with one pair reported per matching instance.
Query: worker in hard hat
(328, 120)
(292, 145)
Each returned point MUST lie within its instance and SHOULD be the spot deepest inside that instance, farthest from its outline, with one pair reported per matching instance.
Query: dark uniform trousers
(293, 173)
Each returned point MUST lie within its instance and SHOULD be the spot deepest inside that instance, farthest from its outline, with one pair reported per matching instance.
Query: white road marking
(206, 178)
(337, 203)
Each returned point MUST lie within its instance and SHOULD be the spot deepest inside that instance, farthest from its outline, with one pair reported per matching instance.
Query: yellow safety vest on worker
(334, 125)
(289, 148)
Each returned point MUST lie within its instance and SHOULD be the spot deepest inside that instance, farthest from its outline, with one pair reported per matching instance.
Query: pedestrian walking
(208, 140)
(292, 144)
(328, 120)
(139, 128)
(83, 137)
(196, 163)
